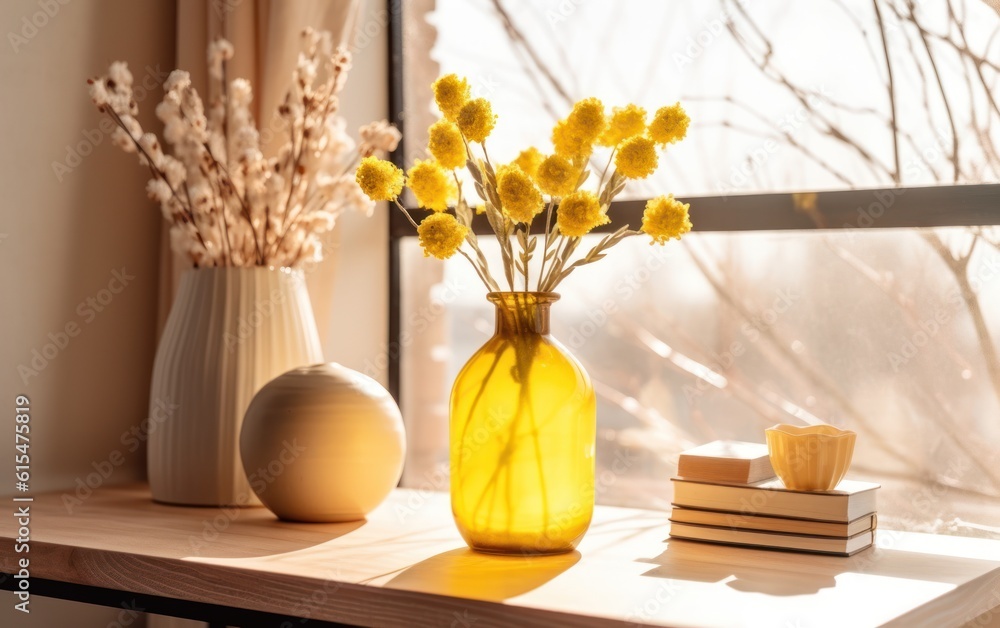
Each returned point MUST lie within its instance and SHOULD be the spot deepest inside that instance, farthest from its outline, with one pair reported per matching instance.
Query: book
(774, 540)
(849, 501)
(763, 523)
(726, 461)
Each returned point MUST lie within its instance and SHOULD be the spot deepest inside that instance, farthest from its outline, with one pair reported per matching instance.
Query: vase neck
(522, 312)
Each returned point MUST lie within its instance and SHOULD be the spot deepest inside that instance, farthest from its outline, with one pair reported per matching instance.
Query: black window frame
(956, 205)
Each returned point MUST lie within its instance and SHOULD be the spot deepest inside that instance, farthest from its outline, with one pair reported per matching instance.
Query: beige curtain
(265, 34)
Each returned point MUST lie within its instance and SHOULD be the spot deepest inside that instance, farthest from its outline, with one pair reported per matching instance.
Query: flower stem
(406, 213)
(608, 165)
(545, 249)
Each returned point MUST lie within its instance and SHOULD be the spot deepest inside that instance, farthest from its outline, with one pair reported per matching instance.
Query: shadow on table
(699, 562)
(256, 532)
(787, 573)
(465, 573)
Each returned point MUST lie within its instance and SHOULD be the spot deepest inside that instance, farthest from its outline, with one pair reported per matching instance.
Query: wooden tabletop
(406, 565)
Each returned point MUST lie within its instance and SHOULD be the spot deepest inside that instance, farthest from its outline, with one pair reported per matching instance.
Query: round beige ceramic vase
(323, 443)
(230, 331)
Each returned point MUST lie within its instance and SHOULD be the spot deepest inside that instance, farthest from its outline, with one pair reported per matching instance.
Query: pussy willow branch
(187, 214)
(245, 211)
(220, 202)
(295, 179)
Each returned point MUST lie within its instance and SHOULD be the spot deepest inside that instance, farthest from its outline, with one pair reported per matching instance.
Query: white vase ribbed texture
(230, 331)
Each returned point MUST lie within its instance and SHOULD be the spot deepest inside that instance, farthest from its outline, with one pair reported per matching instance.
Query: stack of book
(726, 493)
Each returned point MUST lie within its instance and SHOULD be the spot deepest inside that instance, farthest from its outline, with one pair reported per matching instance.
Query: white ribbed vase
(230, 331)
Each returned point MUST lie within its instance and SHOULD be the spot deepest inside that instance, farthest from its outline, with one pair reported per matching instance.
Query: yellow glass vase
(523, 425)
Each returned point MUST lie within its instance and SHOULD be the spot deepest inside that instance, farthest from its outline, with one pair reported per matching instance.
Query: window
(845, 269)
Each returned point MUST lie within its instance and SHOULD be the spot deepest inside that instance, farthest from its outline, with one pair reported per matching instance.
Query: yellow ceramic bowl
(812, 458)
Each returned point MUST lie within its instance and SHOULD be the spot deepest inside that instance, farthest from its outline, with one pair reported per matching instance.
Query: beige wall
(68, 232)
(64, 237)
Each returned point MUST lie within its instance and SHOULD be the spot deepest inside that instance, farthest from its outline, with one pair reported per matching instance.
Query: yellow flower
(528, 161)
(574, 137)
(665, 218)
(568, 145)
(431, 184)
(669, 125)
(625, 122)
(636, 158)
(579, 213)
(445, 143)
(450, 94)
(476, 119)
(557, 176)
(520, 198)
(380, 180)
(586, 121)
(480, 208)
(441, 235)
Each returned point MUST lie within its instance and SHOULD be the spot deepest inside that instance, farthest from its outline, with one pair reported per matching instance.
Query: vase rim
(541, 297)
(822, 431)
(287, 270)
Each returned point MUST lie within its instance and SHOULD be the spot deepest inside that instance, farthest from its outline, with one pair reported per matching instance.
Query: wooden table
(406, 565)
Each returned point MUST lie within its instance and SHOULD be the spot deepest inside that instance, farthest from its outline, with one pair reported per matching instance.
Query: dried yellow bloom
(440, 235)
(665, 218)
(528, 161)
(445, 143)
(586, 121)
(450, 94)
(476, 119)
(625, 122)
(379, 179)
(636, 158)
(580, 212)
(568, 145)
(669, 125)
(557, 176)
(431, 184)
(574, 137)
(480, 208)
(521, 200)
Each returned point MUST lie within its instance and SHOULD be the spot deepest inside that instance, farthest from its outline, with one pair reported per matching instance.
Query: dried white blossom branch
(227, 203)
